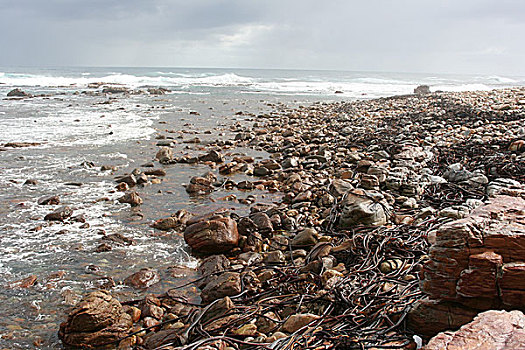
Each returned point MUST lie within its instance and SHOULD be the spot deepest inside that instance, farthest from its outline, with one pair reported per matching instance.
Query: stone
(490, 330)
(114, 90)
(18, 93)
(23, 283)
(306, 238)
(226, 284)
(50, 200)
(164, 155)
(163, 338)
(422, 90)
(212, 236)
(298, 321)
(95, 322)
(119, 239)
(262, 223)
(131, 198)
(129, 180)
(212, 156)
(59, 214)
(143, 279)
(218, 309)
(275, 258)
(361, 207)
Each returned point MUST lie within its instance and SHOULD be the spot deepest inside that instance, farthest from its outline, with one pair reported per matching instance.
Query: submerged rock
(60, 214)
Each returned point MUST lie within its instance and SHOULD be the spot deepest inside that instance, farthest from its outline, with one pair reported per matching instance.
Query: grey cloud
(406, 35)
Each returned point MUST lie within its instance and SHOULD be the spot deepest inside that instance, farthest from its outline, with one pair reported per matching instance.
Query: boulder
(164, 155)
(361, 207)
(98, 321)
(490, 330)
(226, 284)
(114, 90)
(476, 263)
(50, 200)
(60, 214)
(143, 279)
(212, 236)
(18, 93)
(422, 90)
(212, 156)
(131, 198)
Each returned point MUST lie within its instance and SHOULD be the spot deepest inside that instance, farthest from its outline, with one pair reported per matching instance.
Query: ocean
(76, 130)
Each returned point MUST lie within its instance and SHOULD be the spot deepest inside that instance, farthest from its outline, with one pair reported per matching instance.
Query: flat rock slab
(490, 330)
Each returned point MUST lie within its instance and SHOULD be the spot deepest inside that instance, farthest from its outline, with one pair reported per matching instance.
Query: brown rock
(98, 320)
(297, 321)
(212, 236)
(23, 283)
(143, 279)
(131, 198)
(51, 200)
(490, 330)
(226, 284)
(60, 214)
(362, 207)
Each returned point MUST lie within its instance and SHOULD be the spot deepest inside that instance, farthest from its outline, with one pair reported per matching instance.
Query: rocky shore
(399, 218)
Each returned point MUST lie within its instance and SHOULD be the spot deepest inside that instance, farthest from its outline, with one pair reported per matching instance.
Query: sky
(434, 36)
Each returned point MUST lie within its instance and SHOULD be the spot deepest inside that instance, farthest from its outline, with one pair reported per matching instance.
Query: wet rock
(50, 200)
(164, 155)
(158, 91)
(218, 309)
(18, 93)
(297, 321)
(262, 222)
(60, 214)
(129, 180)
(115, 90)
(155, 172)
(143, 279)
(23, 283)
(119, 239)
(212, 156)
(226, 284)
(131, 198)
(504, 186)
(490, 330)
(98, 320)
(212, 265)
(212, 236)
(103, 247)
(339, 187)
(422, 90)
(31, 182)
(362, 207)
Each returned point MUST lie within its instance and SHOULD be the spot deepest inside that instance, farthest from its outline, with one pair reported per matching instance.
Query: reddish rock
(23, 283)
(476, 263)
(227, 284)
(212, 236)
(490, 330)
(131, 198)
(143, 279)
(98, 321)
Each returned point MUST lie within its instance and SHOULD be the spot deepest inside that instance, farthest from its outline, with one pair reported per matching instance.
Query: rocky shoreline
(349, 254)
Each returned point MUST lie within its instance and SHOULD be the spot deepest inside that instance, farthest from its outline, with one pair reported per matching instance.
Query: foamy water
(351, 84)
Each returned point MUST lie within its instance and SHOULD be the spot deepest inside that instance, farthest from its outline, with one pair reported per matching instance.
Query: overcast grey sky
(456, 36)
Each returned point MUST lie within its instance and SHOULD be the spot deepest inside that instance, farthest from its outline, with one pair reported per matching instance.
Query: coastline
(361, 185)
